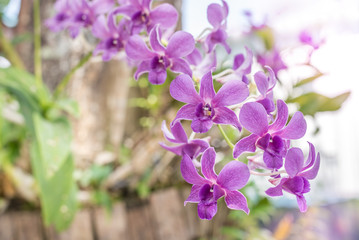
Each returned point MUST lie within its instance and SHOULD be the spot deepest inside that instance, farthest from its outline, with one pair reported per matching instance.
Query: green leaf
(53, 139)
(68, 105)
(311, 103)
(308, 80)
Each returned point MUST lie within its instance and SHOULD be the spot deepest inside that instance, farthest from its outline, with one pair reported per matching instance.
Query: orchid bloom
(207, 107)
(265, 85)
(113, 36)
(208, 189)
(273, 139)
(217, 17)
(62, 18)
(201, 65)
(156, 62)
(143, 16)
(193, 148)
(298, 175)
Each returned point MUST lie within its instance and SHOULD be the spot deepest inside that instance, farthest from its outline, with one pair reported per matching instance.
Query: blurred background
(107, 126)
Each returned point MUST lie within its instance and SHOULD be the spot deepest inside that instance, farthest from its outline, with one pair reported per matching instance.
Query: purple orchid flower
(265, 85)
(157, 61)
(272, 59)
(193, 148)
(85, 13)
(208, 189)
(201, 65)
(298, 175)
(241, 66)
(274, 138)
(142, 16)
(113, 36)
(62, 18)
(208, 107)
(217, 17)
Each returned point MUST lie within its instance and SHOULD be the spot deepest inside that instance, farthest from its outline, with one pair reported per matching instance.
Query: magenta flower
(274, 138)
(62, 18)
(298, 175)
(113, 36)
(207, 107)
(202, 65)
(156, 62)
(193, 148)
(217, 17)
(265, 85)
(208, 189)
(241, 66)
(142, 16)
(272, 59)
(84, 13)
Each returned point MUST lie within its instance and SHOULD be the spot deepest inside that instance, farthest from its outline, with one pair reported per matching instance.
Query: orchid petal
(277, 190)
(232, 92)
(155, 40)
(189, 172)
(165, 15)
(194, 195)
(206, 90)
(182, 89)
(261, 80)
(99, 28)
(282, 116)
(180, 45)
(175, 149)
(207, 211)
(157, 77)
(137, 49)
(295, 129)
(246, 144)
(181, 66)
(272, 161)
(294, 161)
(187, 112)
(144, 67)
(233, 176)
(201, 125)
(313, 172)
(225, 115)
(207, 164)
(215, 15)
(302, 203)
(237, 201)
(253, 117)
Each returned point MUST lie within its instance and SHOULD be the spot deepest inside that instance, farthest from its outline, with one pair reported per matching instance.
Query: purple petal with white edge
(225, 115)
(247, 144)
(206, 90)
(195, 147)
(261, 80)
(215, 15)
(127, 10)
(232, 92)
(165, 15)
(187, 112)
(268, 104)
(294, 161)
(277, 190)
(311, 157)
(272, 161)
(194, 195)
(182, 89)
(179, 133)
(155, 40)
(144, 67)
(272, 80)
(181, 66)
(136, 49)
(238, 61)
(178, 150)
(295, 129)
(180, 45)
(237, 201)
(167, 134)
(233, 176)
(157, 77)
(195, 57)
(99, 28)
(282, 116)
(189, 172)
(302, 203)
(207, 211)
(201, 125)
(313, 172)
(218, 192)
(207, 164)
(253, 117)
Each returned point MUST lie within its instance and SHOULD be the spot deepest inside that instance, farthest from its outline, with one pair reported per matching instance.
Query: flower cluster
(148, 38)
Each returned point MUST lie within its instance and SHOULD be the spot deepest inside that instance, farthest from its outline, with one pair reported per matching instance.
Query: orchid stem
(68, 76)
(267, 174)
(223, 73)
(200, 35)
(37, 43)
(10, 51)
(230, 144)
(191, 137)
